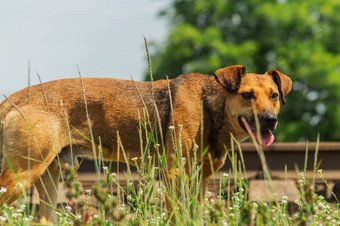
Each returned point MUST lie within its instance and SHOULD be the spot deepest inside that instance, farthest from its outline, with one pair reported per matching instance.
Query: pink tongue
(267, 137)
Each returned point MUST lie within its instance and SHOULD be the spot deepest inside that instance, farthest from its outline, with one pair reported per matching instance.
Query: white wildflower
(20, 210)
(321, 205)
(113, 175)
(3, 219)
(16, 215)
(3, 190)
(225, 175)
(95, 216)
(68, 208)
(284, 199)
(171, 127)
(134, 159)
(18, 185)
(320, 171)
(105, 169)
(88, 192)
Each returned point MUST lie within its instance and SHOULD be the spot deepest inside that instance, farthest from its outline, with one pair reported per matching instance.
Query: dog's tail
(5, 108)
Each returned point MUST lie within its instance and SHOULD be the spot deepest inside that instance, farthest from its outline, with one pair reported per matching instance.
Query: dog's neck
(216, 123)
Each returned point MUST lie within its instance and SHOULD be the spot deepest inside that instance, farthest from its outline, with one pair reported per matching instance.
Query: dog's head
(249, 91)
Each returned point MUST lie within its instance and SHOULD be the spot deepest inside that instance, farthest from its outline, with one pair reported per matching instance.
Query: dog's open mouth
(266, 136)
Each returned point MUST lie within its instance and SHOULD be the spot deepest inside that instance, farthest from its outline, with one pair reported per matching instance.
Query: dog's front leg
(210, 166)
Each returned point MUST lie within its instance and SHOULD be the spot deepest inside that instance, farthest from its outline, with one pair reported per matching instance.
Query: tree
(297, 37)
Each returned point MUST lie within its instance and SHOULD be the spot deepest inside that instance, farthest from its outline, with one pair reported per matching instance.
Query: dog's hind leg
(30, 141)
(47, 187)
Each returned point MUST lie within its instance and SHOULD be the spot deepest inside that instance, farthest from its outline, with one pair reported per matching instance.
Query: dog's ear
(230, 77)
(283, 82)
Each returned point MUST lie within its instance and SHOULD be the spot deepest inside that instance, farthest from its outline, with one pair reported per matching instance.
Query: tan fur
(39, 123)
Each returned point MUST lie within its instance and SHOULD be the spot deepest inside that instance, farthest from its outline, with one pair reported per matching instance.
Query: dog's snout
(268, 121)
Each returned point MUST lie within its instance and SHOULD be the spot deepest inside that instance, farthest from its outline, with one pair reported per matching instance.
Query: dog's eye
(247, 96)
(274, 96)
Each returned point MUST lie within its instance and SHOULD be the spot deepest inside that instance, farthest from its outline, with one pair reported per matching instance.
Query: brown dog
(47, 122)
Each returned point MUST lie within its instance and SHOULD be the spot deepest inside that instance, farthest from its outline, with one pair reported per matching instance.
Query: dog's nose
(268, 121)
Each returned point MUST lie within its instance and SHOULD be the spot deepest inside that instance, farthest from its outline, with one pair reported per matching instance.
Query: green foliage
(297, 37)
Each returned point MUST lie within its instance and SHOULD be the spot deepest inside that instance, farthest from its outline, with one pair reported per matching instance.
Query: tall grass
(140, 202)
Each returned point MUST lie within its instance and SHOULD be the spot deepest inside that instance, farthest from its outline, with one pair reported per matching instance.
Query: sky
(104, 38)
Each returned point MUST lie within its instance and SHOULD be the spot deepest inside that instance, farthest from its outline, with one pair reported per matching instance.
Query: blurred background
(105, 38)
(297, 37)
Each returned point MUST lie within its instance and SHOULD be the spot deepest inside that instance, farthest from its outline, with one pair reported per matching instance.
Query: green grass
(142, 203)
